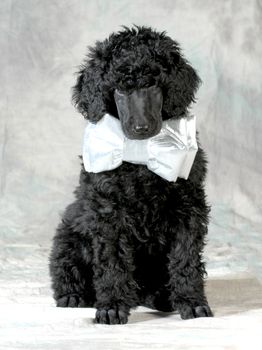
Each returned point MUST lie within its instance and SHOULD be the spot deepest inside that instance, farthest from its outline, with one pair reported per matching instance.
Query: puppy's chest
(152, 248)
(148, 225)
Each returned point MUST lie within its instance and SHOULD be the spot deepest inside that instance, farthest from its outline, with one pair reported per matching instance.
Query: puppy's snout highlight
(141, 129)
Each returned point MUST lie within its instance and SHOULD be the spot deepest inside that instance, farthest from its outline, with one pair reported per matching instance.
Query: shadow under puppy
(132, 237)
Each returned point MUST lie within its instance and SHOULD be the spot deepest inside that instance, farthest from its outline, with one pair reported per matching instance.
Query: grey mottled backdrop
(43, 42)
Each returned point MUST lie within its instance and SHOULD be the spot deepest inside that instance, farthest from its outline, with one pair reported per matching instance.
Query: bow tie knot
(169, 154)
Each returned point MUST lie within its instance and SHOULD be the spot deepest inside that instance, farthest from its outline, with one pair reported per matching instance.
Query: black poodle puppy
(131, 237)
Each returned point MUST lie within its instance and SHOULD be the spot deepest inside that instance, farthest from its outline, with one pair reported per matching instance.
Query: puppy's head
(139, 76)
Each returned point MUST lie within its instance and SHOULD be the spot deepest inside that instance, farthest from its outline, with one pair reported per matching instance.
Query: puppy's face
(139, 76)
(140, 112)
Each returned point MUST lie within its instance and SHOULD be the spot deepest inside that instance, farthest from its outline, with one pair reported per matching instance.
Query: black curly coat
(132, 238)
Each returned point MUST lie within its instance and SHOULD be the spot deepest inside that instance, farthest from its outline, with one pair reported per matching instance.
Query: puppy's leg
(113, 276)
(70, 269)
(187, 272)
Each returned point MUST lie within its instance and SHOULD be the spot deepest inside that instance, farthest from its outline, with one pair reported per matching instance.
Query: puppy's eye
(120, 98)
(119, 93)
(154, 89)
(122, 94)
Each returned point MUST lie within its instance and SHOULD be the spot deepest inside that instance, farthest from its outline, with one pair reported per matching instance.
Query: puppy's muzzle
(140, 112)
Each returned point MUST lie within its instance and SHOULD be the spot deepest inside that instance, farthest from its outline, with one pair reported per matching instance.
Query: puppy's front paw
(111, 316)
(187, 311)
(70, 300)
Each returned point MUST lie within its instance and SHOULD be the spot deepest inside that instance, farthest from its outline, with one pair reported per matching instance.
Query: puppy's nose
(141, 129)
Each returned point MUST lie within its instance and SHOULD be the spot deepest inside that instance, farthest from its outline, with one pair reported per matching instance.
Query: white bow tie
(169, 154)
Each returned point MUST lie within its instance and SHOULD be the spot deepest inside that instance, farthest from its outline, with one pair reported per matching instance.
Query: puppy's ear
(88, 92)
(182, 85)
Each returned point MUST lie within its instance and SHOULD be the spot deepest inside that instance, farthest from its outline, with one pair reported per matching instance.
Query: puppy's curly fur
(132, 238)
